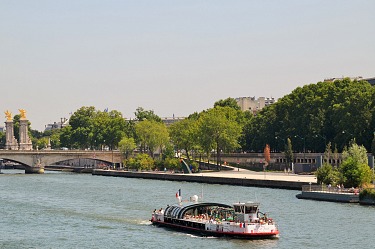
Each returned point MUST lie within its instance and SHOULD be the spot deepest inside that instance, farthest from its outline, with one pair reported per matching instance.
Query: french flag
(178, 194)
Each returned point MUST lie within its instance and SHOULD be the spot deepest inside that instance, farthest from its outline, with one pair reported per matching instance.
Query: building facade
(254, 104)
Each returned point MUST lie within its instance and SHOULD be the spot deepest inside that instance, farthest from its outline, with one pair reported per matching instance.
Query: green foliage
(354, 168)
(228, 102)
(55, 139)
(288, 151)
(367, 193)
(2, 140)
(327, 175)
(66, 139)
(152, 135)
(115, 128)
(89, 128)
(140, 162)
(81, 125)
(373, 146)
(172, 163)
(184, 135)
(42, 143)
(16, 126)
(355, 174)
(356, 152)
(218, 129)
(328, 152)
(127, 146)
(194, 165)
(337, 111)
(142, 115)
(168, 151)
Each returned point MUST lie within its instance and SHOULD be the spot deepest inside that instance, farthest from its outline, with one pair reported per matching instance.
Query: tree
(228, 102)
(267, 154)
(328, 153)
(115, 128)
(55, 139)
(354, 168)
(326, 174)
(184, 134)
(172, 163)
(373, 146)
(219, 130)
(142, 114)
(66, 137)
(81, 127)
(289, 152)
(42, 143)
(127, 146)
(2, 140)
(141, 162)
(16, 126)
(151, 135)
(338, 111)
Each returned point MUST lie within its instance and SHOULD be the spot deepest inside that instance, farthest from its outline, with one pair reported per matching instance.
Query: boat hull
(203, 232)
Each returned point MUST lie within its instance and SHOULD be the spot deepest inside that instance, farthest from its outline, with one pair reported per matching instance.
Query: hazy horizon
(173, 57)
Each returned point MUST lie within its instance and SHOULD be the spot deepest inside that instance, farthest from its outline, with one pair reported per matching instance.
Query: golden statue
(8, 115)
(22, 113)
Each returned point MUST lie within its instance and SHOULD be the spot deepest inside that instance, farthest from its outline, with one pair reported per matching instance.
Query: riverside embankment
(236, 178)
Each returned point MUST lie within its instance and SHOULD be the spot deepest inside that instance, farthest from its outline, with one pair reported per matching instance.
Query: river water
(66, 210)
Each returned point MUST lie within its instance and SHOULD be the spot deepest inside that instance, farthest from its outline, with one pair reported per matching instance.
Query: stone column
(25, 141)
(11, 141)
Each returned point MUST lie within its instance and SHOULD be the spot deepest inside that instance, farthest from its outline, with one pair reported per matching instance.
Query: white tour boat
(241, 220)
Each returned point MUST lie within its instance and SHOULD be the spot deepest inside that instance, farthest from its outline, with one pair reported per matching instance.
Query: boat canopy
(178, 212)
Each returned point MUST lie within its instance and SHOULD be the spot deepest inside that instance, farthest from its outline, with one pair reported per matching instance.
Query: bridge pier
(34, 170)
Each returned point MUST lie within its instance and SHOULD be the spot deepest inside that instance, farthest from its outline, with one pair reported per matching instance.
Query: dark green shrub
(367, 193)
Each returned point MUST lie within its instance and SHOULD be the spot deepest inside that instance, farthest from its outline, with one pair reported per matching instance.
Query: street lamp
(277, 143)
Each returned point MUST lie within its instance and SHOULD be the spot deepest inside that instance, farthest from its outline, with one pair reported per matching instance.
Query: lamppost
(277, 143)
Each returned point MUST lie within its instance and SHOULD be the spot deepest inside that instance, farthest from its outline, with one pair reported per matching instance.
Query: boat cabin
(247, 212)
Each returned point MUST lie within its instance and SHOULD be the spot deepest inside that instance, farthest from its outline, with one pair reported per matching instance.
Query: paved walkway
(276, 176)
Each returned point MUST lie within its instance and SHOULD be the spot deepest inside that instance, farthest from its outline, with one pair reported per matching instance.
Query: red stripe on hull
(218, 233)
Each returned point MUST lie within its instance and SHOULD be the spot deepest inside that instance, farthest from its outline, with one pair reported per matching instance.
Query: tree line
(306, 120)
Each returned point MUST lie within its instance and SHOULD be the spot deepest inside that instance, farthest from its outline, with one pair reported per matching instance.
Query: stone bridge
(35, 160)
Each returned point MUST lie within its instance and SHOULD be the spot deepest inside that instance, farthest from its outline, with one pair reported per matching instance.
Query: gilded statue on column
(8, 115)
(22, 113)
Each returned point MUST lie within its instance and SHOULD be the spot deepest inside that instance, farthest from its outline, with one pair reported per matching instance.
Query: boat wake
(144, 222)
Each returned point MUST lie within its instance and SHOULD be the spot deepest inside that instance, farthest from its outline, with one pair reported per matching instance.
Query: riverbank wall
(332, 197)
(201, 178)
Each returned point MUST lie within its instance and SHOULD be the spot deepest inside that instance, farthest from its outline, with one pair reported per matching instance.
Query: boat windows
(251, 209)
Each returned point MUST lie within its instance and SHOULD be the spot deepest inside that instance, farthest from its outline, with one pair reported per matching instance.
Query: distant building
(369, 80)
(57, 125)
(254, 105)
(166, 120)
(170, 120)
(2, 129)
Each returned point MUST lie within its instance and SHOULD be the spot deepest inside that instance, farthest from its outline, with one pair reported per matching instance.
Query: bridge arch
(40, 159)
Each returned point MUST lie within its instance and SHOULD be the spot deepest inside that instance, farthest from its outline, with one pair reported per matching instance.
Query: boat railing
(329, 189)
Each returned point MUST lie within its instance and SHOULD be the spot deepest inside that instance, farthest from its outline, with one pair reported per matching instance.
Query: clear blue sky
(174, 57)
